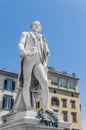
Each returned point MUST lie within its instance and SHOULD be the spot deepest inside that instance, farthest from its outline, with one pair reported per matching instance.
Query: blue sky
(64, 24)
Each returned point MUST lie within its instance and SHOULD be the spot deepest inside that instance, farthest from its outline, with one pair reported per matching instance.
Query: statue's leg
(41, 76)
(27, 70)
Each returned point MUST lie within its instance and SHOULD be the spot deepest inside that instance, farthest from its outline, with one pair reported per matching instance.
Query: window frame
(61, 82)
(12, 84)
(64, 103)
(7, 102)
(53, 81)
(65, 115)
(70, 84)
(74, 117)
(38, 104)
(73, 104)
(53, 103)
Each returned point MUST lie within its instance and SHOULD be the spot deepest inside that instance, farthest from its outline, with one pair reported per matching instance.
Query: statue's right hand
(23, 54)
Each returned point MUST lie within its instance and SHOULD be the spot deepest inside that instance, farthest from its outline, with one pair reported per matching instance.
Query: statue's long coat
(35, 86)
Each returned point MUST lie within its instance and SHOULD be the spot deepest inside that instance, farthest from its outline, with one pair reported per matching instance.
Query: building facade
(8, 91)
(63, 95)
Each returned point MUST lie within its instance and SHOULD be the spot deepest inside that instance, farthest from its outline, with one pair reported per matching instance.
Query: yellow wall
(66, 94)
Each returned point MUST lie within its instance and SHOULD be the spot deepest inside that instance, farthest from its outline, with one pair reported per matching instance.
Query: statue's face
(36, 27)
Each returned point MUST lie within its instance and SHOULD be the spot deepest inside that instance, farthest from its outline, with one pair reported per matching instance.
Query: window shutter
(52, 101)
(5, 83)
(3, 102)
(13, 85)
(12, 102)
(38, 105)
(57, 102)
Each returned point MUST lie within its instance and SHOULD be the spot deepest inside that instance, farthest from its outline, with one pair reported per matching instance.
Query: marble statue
(33, 86)
(32, 80)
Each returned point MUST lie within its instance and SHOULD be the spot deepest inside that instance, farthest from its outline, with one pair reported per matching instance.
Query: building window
(37, 104)
(54, 80)
(71, 84)
(63, 82)
(7, 102)
(74, 118)
(9, 85)
(73, 104)
(55, 101)
(72, 94)
(65, 115)
(54, 91)
(64, 103)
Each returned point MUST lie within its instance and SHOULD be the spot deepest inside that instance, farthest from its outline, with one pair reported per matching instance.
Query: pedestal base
(27, 121)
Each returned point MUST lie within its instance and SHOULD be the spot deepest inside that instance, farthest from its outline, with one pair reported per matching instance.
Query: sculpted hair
(37, 22)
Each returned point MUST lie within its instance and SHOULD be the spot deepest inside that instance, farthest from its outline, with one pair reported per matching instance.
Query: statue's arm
(21, 45)
(46, 52)
(46, 46)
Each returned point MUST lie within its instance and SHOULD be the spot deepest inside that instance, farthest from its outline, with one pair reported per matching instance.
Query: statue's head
(36, 26)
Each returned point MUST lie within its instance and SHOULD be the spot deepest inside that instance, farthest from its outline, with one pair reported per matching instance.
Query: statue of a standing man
(34, 52)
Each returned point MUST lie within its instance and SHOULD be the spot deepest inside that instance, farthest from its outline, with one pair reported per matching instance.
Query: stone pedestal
(26, 121)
